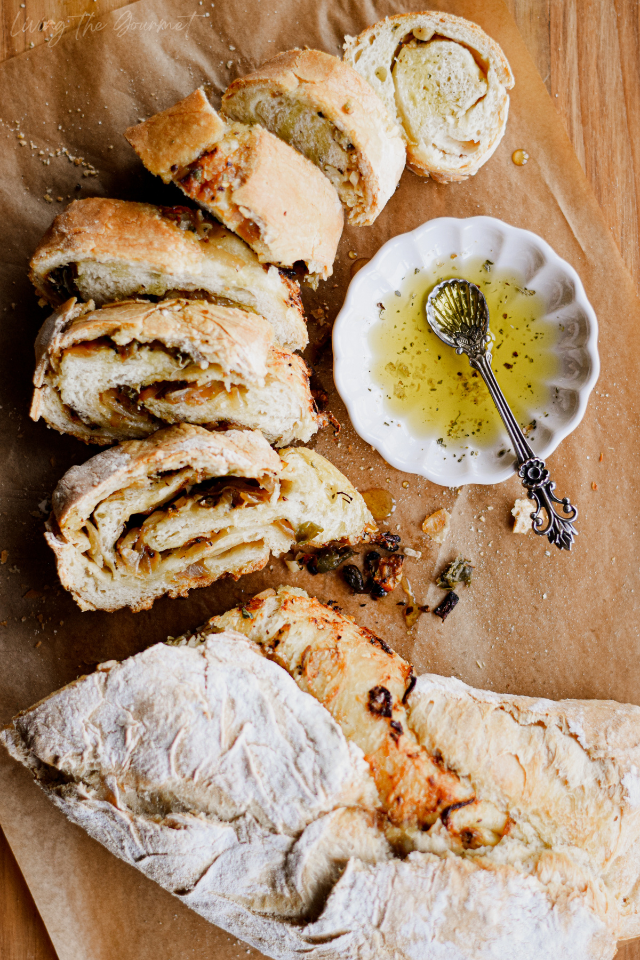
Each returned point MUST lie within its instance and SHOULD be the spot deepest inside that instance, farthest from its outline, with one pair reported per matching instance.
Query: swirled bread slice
(239, 785)
(105, 250)
(186, 507)
(275, 200)
(323, 108)
(123, 371)
(445, 82)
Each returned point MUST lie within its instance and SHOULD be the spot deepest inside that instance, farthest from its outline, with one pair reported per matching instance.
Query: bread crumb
(415, 554)
(437, 525)
(594, 485)
(106, 666)
(522, 510)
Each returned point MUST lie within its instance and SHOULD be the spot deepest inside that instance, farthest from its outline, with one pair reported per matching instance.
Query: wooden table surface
(587, 54)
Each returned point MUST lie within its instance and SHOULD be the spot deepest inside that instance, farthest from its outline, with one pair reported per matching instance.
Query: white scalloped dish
(417, 440)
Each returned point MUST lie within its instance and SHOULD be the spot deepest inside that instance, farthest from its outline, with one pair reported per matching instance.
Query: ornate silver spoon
(458, 313)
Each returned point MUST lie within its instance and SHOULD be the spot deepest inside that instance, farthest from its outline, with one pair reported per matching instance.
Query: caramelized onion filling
(210, 180)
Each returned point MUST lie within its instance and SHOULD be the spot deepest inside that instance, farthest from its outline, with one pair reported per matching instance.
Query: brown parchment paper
(535, 621)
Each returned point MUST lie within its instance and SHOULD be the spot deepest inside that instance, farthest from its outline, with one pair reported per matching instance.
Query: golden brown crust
(566, 773)
(205, 327)
(177, 245)
(177, 136)
(325, 83)
(274, 199)
(363, 684)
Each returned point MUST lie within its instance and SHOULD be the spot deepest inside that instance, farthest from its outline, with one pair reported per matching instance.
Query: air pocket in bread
(123, 371)
(105, 250)
(444, 81)
(260, 188)
(323, 108)
(188, 506)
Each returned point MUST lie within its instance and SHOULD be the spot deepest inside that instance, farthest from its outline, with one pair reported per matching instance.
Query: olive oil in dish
(435, 392)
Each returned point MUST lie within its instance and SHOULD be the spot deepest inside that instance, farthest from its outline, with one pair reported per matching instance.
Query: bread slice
(105, 250)
(445, 82)
(247, 795)
(122, 372)
(323, 108)
(186, 507)
(260, 188)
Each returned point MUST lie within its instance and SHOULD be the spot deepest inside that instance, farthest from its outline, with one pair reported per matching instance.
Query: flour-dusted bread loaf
(323, 108)
(105, 250)
(564, 777)
(274, 199)
(247, 778)
(123, 371)
(445, 82)
(187, 506)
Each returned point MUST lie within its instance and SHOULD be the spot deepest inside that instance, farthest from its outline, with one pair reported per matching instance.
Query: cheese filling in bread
(124, 371)
(240, 769)
(323, 108)
(106, 250)
(186, 507)
(364, 686)
(445, 82)
(260, 188)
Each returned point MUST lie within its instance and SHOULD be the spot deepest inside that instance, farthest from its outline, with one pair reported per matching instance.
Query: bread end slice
(177, 136)
(446, 83)
(269, 195)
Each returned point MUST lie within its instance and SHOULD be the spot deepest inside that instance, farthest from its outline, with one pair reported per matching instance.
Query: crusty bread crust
(238, 453)
(260, 813)
(258, 186)
(143, 519)
(168, 362)
(374, 52)
(321, 82)
(567, 773)
(177, 136)
(175, 247)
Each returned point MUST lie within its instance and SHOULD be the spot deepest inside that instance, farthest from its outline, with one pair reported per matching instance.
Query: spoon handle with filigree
(559, 528)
